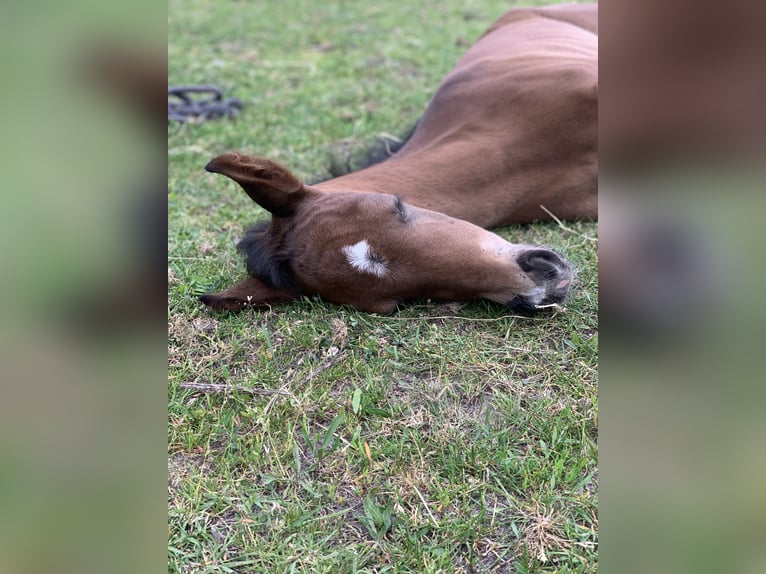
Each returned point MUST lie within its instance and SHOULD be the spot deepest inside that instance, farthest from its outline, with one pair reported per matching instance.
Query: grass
(449, 437)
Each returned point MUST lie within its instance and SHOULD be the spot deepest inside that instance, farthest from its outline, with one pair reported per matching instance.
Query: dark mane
(348, 157)
(265, 258)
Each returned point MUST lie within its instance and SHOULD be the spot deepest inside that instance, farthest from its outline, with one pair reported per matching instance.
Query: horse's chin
(523, 305)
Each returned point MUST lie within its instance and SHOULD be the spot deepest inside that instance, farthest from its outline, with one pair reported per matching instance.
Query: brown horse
(510, 129)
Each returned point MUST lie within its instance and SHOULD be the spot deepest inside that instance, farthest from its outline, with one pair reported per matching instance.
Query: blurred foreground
(681, 201)
(82, 419)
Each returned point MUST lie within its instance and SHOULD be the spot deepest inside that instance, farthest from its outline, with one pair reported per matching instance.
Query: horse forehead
(379, 219)
(354, 209)
(358, 250)
(361, 257)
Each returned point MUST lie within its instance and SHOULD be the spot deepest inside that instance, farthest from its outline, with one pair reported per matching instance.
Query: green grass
(449, 437)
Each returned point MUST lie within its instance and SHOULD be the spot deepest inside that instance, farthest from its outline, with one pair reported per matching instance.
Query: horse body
(512, 127)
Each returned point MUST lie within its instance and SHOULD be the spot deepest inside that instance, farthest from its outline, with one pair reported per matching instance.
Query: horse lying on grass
(510, 129)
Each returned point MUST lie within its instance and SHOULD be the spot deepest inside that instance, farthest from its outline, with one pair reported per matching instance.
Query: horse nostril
(542, 265)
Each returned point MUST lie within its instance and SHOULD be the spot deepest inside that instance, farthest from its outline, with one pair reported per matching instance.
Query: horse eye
(400, 209)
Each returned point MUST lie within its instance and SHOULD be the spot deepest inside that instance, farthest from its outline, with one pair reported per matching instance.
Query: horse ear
(250, 292)
(269, 184)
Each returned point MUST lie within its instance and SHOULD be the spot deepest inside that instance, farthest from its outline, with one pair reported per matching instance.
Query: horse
(509, 137)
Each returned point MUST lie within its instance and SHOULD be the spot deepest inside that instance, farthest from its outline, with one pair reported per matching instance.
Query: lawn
(448, 437)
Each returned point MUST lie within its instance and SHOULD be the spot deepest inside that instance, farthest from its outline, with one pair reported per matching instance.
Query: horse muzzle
(552, 277)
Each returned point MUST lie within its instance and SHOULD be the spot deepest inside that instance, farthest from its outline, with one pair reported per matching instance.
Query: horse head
(373, 251)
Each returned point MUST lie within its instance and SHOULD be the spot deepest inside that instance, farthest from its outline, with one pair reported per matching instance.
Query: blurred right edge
(681, 202)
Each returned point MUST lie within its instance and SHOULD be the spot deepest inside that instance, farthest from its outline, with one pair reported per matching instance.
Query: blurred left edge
(82, 456)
